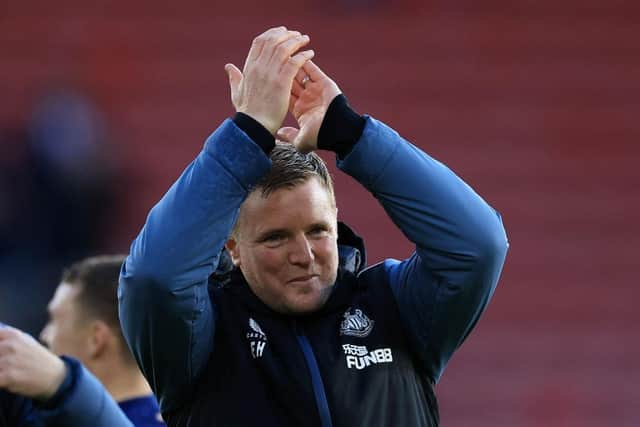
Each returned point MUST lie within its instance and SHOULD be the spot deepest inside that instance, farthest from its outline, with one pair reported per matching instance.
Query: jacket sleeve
(18, 411)
(444, 287)
(167, 317)
(86, 403)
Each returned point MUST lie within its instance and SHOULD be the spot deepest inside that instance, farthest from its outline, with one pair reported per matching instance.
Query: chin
(307, 303)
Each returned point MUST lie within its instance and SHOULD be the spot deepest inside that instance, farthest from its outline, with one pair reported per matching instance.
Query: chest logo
(356, 324)
(359, 357)
(257, 339)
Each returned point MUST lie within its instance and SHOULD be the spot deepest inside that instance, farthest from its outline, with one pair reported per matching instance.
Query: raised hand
(311, 94)
(26, 367)
(262, 89)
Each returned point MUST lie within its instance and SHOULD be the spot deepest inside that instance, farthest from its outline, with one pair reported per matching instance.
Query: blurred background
(535, 103)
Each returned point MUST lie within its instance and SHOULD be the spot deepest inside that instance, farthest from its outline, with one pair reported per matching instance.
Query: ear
(234, 251)
(99, 339)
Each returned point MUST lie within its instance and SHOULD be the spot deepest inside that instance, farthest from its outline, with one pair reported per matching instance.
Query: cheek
(59, 337)
(269, 261)
(327, 251)
(66, 334)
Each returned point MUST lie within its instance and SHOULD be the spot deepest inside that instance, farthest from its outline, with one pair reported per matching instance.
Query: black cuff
(68, 384)
(341, 127)
(258, 133)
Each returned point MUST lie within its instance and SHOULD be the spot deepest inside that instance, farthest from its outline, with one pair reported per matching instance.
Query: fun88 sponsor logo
(357, 356)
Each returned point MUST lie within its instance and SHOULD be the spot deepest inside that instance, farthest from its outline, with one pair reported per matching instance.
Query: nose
(301, 251)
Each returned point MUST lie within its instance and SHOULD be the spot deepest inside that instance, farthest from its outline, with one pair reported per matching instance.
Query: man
(299, 333)
(39, 389)
(83, 323)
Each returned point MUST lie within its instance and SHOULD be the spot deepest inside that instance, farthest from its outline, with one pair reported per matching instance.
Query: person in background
(83, 323)
(39, 389)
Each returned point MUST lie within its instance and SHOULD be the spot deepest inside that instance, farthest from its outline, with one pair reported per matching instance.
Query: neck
(123, 382)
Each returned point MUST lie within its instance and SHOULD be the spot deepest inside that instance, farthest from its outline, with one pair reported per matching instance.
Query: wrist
(341, 127)
(71, 370)
(255, 130)
(261, 119)
(56, 380)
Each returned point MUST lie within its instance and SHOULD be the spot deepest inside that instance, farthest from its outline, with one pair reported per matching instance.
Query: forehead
(309, 201)
(64, 297)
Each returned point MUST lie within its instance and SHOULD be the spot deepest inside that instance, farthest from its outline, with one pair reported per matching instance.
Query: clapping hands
(277, 78)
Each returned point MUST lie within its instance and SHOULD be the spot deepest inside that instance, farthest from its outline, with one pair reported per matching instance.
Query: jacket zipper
(316, 379)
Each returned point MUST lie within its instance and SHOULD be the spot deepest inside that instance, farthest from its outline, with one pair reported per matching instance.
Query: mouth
(302, 279)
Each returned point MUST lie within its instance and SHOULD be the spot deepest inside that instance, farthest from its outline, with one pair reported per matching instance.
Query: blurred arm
(56, 392)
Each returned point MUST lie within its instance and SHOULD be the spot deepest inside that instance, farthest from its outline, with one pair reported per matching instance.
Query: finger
(296, 88)
(278, 38)
(269, 44)
(235, 77)
(7, 372)
(258, 43)
(265, 35)
(287, 134)
(287, 48)
(5, 349)
(294, 63)
(7, 332)
(302, 77)
(313, 71)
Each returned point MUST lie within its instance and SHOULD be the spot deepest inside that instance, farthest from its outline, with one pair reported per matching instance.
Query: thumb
(287, 134)
(235, 76)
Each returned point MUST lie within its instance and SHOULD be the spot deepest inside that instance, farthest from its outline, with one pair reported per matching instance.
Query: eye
(273, 238)
(318, 231)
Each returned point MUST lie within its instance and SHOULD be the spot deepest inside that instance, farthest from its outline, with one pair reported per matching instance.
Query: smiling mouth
(302, 278)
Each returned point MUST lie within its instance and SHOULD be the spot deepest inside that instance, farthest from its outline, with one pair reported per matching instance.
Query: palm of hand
(309, 113)
(309, 110)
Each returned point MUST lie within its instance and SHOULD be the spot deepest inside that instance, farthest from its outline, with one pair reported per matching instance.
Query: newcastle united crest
(356, 324)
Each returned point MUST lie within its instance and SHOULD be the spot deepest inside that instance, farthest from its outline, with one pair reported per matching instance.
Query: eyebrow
(263, 235)
(284, 231)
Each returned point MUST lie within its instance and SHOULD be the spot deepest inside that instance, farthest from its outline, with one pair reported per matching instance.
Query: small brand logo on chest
(356, 324)
(359, 357)
(257, 339)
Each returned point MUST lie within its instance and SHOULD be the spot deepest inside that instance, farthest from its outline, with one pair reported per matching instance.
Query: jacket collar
(351, 252)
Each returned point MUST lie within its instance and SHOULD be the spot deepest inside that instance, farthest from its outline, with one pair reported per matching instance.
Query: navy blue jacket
(435, 296)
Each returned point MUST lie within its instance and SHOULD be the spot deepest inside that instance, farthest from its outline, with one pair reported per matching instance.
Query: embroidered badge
(356, 324)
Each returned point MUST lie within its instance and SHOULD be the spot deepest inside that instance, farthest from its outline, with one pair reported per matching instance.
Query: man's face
(286, 246)
(66, 332)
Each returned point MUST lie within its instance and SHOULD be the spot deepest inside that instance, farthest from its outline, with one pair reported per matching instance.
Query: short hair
(289, 168)
(97, 281)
